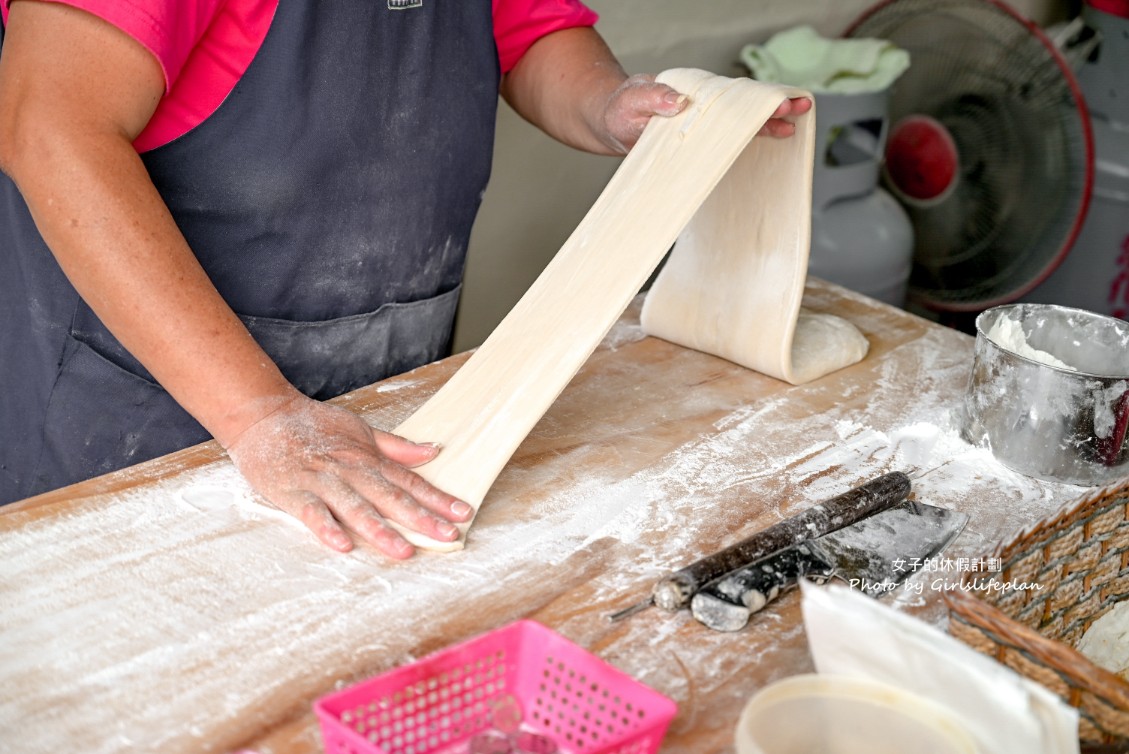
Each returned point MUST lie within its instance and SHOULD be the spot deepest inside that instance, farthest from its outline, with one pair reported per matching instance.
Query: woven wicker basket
(1080, 556)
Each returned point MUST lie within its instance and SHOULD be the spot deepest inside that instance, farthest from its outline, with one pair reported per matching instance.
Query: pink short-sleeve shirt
(205, 46)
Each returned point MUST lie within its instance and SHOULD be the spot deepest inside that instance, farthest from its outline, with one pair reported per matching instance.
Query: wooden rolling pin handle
(676, 590)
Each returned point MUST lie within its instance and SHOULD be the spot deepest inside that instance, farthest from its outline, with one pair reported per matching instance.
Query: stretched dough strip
(489, 406)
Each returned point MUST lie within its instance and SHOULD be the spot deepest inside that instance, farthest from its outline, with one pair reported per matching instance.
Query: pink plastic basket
(436, 704)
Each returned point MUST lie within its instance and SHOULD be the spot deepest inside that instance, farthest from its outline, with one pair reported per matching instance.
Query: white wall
(540, 190)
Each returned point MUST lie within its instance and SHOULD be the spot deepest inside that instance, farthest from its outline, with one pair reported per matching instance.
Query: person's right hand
(329, 469)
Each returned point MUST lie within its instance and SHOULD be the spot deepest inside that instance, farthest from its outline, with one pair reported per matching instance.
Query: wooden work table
(162, 609)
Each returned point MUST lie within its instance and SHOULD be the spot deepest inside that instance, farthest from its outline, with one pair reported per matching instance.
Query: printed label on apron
(404, 4)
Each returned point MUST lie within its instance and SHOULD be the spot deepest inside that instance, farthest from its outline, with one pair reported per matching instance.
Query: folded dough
(709, 297)
(733, 284)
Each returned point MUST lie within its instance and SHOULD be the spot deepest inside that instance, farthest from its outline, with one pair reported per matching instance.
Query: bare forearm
(571, 86)
(112, 235)
(562, 85)
(74, 93)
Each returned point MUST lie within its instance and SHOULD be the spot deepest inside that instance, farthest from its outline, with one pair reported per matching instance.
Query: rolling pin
(674, 591)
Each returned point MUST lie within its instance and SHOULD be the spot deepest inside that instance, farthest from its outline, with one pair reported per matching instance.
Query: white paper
(855, 635)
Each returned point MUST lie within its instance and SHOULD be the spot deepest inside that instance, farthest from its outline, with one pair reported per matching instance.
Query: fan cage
(1022, 131)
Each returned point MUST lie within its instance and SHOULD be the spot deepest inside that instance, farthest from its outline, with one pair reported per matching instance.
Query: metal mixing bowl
(1046, 421)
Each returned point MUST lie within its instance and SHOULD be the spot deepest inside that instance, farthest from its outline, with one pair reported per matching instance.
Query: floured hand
(329, 469)
(632, 105)
(639, 98)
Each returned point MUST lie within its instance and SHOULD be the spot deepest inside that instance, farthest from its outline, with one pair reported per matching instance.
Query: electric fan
(990, 150)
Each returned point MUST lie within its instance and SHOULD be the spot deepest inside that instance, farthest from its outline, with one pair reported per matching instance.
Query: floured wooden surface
(170, 613)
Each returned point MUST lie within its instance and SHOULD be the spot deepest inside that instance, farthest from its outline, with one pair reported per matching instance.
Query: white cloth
(801, 57)
(854, 635)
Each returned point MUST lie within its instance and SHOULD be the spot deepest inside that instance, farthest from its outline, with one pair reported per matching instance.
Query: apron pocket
(327, 358)
(101, 417)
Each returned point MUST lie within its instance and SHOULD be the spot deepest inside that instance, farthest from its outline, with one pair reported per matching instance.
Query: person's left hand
(639, 98)
(632, 105)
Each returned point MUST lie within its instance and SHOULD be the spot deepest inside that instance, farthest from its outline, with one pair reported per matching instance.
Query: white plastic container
(861, 238)
(831, 714)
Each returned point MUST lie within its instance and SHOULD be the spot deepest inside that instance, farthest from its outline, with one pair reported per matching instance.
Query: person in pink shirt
(219, 213)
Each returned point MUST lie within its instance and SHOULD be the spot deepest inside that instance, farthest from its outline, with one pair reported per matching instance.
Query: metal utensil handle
(754, 586)
(727, 603)
(675, 591)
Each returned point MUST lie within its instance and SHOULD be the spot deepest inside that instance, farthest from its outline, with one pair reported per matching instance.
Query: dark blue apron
(330, 199)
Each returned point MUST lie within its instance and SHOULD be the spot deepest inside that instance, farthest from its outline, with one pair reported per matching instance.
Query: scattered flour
(624, 331)
(389, 386)
(1106, 644)
(1008, 334)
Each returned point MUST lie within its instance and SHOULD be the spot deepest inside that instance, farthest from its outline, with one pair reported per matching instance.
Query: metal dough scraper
(874, 555)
